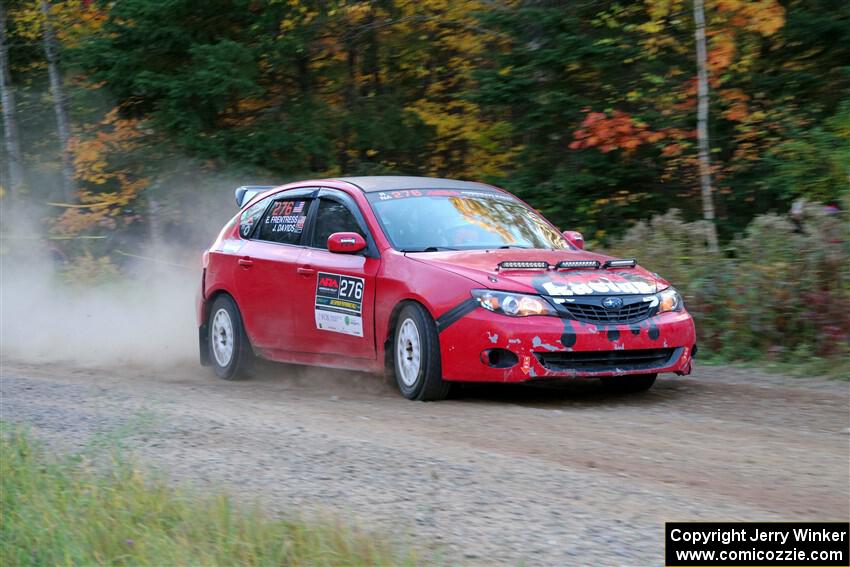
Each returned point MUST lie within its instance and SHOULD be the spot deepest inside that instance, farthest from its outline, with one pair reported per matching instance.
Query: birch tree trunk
(59, 106)
(702, 127)
(10, 123)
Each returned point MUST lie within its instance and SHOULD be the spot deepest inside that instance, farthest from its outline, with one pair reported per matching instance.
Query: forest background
(130, 122)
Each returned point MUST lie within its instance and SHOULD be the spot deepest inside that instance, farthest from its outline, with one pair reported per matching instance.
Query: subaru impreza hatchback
(434, 280)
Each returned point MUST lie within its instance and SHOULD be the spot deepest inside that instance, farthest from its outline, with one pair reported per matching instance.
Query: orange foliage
(761, 16)
(722, 52)
(619, 131)
(106, 189)
(737, 108)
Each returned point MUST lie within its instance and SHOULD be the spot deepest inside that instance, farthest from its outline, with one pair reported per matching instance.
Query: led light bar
(620, 263)
(567, 264)
(524, 265)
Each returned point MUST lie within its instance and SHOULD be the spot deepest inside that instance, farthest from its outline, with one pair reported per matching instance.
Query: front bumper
(483, 346)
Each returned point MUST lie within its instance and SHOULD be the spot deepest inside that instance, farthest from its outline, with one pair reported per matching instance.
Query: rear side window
(284, 221)
(251, 217)
(332, 217)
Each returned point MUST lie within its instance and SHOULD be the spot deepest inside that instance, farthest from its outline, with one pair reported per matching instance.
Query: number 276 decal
(339, 303)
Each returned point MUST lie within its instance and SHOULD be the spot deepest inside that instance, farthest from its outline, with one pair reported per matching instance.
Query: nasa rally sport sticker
(339, 304)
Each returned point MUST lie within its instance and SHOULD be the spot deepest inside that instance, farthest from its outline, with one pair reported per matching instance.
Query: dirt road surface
(519, 476)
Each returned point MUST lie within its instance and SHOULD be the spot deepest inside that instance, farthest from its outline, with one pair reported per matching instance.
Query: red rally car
(435, 280)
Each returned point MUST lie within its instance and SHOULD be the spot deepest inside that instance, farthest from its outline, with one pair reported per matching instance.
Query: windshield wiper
(506, 246)
(427, 249)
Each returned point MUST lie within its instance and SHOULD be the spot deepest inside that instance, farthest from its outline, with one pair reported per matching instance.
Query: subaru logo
(612, 303)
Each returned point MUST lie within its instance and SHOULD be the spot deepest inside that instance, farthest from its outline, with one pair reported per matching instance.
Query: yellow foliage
(727, 19)
(765, 17)
(94, 168)
(467, 143)
(71, 20)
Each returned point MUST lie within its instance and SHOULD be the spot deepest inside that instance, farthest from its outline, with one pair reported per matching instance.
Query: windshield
(437, 219)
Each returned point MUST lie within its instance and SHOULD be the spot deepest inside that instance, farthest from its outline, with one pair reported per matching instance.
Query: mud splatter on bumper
(551, 347)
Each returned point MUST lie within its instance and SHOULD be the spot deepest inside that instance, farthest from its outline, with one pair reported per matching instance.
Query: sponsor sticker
(406, 194)
(245, 227)
(386, 196)
(250, 217)
(287, 216)
(598, 286)
(339, 304)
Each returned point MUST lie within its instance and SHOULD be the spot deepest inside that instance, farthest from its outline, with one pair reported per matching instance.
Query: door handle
(245, 262)
(306, 271)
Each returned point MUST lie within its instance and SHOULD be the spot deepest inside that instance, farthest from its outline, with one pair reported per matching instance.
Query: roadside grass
(832, 368)
(64, 511)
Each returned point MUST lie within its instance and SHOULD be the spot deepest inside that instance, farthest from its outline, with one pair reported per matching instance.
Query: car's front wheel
(416, 356)
(230, 352)
(628, 384)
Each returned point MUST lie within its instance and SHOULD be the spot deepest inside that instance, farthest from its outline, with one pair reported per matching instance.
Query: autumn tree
(587, 110)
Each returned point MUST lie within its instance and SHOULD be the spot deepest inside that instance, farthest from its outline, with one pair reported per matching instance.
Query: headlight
(669, 300)
(512, 304)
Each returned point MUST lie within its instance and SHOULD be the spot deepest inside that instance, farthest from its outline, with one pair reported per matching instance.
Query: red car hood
(481, 266)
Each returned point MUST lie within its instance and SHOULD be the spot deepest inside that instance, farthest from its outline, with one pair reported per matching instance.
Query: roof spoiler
(248, 192)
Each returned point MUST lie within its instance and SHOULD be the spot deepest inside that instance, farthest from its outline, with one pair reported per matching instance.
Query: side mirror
(346, 243)
(575, 238)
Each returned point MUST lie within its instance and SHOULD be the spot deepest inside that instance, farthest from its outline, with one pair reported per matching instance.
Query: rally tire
(416, 356)
(629, 384)
(230, 351)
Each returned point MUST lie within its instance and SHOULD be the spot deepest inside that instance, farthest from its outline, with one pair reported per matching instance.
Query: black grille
(606, 360)
(592, 311)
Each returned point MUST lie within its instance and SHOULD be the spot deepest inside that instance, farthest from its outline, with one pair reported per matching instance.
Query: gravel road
(499, 475)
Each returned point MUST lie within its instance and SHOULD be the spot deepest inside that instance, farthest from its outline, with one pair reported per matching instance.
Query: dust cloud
(145, 317)
(142, 315)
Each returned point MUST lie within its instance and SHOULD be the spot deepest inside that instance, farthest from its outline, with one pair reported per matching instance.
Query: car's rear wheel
(627, 384)
(416, 356)
(230, 351)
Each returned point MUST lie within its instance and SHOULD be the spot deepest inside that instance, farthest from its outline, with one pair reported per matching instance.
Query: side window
(251, 217)
(284, 222)
(332, 217)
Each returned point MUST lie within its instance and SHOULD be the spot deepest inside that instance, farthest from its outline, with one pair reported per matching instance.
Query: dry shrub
(771, 293)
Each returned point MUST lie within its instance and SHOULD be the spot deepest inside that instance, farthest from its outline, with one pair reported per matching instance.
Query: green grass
(62, 511)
